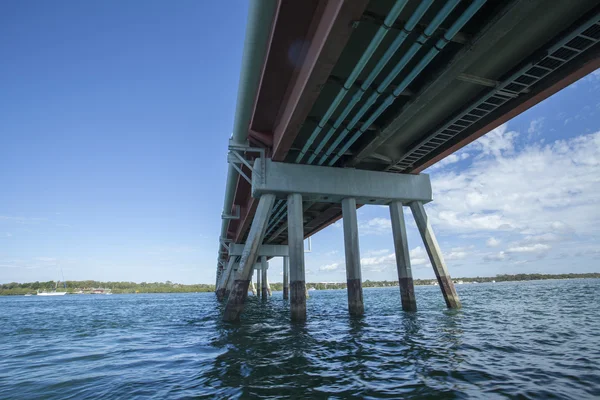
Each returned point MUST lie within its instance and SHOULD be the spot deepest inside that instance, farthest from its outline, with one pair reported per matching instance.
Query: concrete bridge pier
(252, 288)
(435, 255)
(239, 292)
(296, 255)
(230, 280)
(353, 273)
(264, 252)
(264, 266)
(258, 283)
(338, 185)
(286, 278)
(224, 279)
(405, 279)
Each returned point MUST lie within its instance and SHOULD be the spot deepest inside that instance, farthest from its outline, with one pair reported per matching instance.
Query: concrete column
(258, 282)
(296, 251)
(219, 275)
(353, 273)
(239, 293)
(226, 276)
(252, 288)
(435, 255)
(264, 267)
(405, 279)
(286, 278)
(231, 280)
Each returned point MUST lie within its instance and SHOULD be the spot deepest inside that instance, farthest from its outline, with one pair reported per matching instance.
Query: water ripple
(510, 340)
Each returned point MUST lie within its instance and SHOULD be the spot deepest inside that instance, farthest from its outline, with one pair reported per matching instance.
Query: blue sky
(114, 121)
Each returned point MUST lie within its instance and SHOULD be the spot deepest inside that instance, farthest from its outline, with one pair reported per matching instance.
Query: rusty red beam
(332, 30)
(330, 27)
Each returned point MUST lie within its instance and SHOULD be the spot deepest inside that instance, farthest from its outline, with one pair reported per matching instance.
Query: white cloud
(371, 253)
(451, 159)
(455, 255)
(501, 256)
(418, 256)
(375, 226)
(528, 192)
(535, 126)
(543, 238)
(473, 221)
(378, 261)
(536, 194)
(492, 242)
(497, 142)
(329, 267)
(381, 260)
(534, 248)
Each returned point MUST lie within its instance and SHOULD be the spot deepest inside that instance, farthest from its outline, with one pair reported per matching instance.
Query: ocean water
(510, 340)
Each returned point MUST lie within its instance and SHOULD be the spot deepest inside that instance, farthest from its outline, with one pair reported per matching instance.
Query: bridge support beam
(252, 288)
(353, 273)
(296, 251)
(224, 279)
(219, 277)
(264, 266)
(230, 280)
(269, 250)
(405, 279)
(435, 255)
(258, 282)
(286, 278)
(331, 185)
(239, 292)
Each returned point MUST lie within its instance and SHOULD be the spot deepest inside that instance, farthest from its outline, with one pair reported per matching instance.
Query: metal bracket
(309, 250)
(478, 80)
(225, 243)
(236, 158)
(235, 215)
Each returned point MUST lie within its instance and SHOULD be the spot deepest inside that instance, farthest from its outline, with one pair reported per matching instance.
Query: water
(516, 340)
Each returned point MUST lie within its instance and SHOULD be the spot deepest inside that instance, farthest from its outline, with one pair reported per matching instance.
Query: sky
(114, 123)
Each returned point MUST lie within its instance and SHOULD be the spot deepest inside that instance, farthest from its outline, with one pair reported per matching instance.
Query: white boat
(51, 293)
(28, 294)
(55, 292)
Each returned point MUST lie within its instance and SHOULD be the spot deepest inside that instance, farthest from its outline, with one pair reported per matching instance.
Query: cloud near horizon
(509, 197)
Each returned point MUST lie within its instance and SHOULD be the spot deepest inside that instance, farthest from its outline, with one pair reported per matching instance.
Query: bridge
(343, 103)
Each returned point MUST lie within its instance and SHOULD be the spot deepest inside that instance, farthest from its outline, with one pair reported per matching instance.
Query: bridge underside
(410, 105)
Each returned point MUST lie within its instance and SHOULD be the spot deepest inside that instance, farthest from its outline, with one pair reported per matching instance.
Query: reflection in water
(514, 339)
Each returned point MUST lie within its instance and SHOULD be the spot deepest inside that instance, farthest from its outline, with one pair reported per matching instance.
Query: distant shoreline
(87, 287)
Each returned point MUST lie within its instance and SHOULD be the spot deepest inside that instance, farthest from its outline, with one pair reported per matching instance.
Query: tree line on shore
(15, 288)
